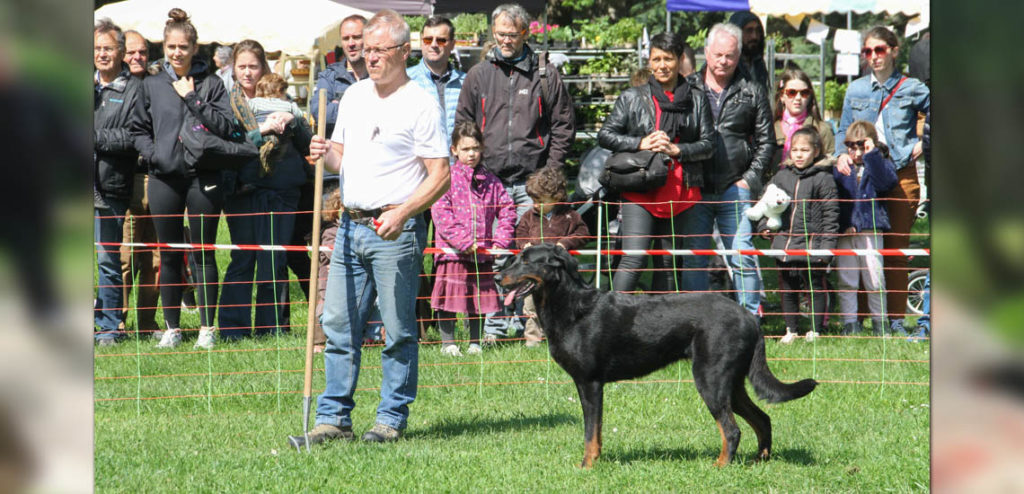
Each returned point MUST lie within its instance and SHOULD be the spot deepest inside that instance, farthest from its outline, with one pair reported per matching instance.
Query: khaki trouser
(533, 331)
(138, 227)
(902, 214)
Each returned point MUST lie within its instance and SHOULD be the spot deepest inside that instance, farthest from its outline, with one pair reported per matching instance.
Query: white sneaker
(490, 339)
(451, 351)
(474, 349)
(811, 336)
(205, 340)
(170, 339)
(790, 336)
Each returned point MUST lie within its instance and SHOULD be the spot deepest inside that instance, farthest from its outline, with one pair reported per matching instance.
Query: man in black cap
(752, 56)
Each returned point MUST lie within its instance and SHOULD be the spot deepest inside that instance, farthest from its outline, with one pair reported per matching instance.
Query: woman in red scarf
(670, 116)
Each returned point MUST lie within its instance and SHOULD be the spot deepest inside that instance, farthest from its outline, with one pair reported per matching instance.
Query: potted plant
(470, 29)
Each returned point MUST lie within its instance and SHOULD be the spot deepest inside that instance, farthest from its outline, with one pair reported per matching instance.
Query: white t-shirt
(386, 140)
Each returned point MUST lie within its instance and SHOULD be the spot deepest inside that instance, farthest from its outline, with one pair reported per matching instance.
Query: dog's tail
(767, 386)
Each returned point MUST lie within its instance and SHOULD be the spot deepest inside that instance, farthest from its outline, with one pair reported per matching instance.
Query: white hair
(520, 17)
(724, 28)
(392, 22)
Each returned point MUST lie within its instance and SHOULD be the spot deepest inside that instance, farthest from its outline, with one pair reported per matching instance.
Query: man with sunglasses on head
(525, 113)
(890, 100)
(435, 73)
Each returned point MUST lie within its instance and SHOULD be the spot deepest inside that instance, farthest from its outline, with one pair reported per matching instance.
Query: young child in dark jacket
(862, 219)
(550, 221)
(810, 222)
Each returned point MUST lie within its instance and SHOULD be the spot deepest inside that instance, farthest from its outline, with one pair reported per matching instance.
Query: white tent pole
(822, 100)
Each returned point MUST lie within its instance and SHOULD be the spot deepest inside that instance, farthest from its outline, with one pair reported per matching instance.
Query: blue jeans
(364, 266)
(109, 302)
(269, 267)
(728, 210)
(925, 321)
(499, 323)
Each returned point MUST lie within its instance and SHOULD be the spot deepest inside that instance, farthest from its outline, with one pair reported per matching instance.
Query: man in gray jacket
(115, 159)
(524, 111)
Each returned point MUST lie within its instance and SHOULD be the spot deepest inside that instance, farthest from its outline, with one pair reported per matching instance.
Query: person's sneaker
(490, 339)
(531, 343)
(811, 336)
(206, 339)
(788, 338)
(158, 334)
(170, 339)
(381, 433)
(922, 334)
(451, 351)
(106, 342)
(851, 328)
(896, 328)
(321, 433)
(474, 349)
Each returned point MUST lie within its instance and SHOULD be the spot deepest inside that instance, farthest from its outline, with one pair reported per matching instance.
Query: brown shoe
(381, 433)
(322, 433)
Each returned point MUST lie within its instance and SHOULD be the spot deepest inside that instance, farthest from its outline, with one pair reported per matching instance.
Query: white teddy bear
(772, 204)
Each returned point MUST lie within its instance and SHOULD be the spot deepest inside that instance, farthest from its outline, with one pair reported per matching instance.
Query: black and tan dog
(600, 337)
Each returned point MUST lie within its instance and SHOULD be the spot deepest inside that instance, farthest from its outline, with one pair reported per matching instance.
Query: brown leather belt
(366, 216)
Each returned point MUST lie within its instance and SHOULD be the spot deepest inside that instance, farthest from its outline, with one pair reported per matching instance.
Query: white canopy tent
(291, 26)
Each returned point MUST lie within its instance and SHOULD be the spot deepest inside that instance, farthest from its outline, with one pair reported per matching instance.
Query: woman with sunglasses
(891, 101)
(796, 108)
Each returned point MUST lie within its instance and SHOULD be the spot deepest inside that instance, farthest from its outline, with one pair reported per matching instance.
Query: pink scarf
(795, 124)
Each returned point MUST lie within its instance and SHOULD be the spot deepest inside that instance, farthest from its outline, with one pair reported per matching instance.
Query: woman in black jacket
(669, 116)
(182, 85)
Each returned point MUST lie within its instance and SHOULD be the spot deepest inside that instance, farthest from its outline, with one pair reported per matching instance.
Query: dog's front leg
(591, 399)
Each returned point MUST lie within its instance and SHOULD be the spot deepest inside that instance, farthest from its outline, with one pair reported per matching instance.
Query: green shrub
(834, 94)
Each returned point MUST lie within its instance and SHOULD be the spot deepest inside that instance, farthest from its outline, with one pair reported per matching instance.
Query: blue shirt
(899, 117)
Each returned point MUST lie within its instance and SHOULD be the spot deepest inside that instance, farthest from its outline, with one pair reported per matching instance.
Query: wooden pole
(314, 267)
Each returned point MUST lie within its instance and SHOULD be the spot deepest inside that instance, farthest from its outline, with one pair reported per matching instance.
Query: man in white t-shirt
(390, 151)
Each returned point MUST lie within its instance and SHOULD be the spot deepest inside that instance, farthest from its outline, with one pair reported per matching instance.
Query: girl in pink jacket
(475, 213)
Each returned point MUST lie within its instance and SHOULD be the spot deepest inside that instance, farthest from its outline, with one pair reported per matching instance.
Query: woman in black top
(182, 85)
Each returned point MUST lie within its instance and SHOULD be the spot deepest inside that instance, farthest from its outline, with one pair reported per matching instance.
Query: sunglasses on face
(429, 40)
(855, 144)
(791, 93)
(879, 51)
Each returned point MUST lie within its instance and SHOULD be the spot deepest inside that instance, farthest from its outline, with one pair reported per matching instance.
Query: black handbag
(206, 151)
(634, 171)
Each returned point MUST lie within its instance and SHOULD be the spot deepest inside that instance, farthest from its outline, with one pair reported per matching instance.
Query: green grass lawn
(508, 420)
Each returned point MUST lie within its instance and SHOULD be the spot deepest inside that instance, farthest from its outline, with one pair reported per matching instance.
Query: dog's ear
(569, 264)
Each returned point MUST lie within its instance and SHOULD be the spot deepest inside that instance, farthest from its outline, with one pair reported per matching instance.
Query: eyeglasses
(429, 40)
(791, 93)
(380, 52)
(879, 50)
(508, 36)
(855, 144)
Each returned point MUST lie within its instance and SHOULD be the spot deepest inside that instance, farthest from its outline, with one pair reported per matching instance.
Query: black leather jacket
(746, 135)
(113, 148)
(632, 119)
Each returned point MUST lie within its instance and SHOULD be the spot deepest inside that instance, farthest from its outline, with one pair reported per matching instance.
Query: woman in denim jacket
(891, 101)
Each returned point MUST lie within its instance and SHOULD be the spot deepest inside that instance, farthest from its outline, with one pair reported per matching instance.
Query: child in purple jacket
(475, 213)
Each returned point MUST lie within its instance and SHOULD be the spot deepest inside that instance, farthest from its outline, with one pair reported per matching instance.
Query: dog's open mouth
(520, 291)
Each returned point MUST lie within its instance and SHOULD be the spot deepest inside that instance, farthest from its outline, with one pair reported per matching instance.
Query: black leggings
(204, 198)
(639, 229)
(794, 279)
